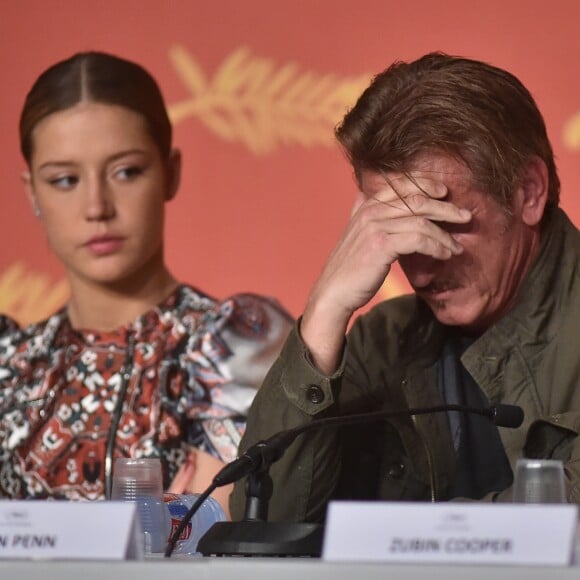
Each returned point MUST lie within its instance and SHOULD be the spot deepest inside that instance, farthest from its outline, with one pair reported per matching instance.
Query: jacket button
(396, 470)
(315, 394)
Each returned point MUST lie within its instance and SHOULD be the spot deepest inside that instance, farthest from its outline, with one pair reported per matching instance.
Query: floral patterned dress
(183, 375)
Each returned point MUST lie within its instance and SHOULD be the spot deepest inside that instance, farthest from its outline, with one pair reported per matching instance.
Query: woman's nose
(99, 202)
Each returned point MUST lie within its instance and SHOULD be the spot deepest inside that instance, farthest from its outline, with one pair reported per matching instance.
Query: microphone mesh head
(510, 416)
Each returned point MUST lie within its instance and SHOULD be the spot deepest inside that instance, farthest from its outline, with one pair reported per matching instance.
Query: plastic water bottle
(206, 516)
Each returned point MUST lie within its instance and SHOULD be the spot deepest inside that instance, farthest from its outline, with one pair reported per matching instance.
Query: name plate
(462, 533)
(69, 530)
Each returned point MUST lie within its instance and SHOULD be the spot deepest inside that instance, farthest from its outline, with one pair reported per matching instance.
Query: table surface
(267, 569)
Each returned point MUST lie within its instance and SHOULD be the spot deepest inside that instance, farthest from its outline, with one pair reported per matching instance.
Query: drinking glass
(140, 481)
(539, 481)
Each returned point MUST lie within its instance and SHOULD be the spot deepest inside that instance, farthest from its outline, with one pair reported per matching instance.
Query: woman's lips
(104, 245)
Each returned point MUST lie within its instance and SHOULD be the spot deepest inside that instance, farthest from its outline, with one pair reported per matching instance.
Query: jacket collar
(530, 325)
(544, 285)
(526, 328)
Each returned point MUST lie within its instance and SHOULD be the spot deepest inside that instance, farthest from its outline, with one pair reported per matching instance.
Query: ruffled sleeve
(235, 346)
(7, 325)
(241, 338)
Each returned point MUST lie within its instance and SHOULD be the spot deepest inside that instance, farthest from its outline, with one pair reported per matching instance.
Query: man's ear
(173, 174)
(533, 191)
(29, 189)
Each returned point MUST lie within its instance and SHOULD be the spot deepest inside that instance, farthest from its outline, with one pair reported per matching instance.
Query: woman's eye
(64, 182)
(128, 173)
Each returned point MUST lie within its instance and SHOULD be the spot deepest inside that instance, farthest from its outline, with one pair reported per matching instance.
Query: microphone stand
(259, 487)
(255, 536)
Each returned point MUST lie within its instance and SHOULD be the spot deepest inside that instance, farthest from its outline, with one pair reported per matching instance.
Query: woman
(137, 364)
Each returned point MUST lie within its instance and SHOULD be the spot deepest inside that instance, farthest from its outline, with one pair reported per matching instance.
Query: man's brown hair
(469, 109)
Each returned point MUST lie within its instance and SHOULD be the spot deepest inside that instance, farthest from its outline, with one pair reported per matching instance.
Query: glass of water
(140, 481)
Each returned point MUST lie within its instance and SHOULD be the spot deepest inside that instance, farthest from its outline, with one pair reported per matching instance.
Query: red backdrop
(254, 89)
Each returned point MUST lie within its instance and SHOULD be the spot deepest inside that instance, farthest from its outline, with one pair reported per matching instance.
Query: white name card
(69, 530)
(462, 533)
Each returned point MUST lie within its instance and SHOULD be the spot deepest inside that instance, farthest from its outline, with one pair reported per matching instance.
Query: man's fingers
(418, 232)
(417, 205)
(419, 243)
(403, 187)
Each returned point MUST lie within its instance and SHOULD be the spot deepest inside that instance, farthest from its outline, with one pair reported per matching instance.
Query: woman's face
(99, 184)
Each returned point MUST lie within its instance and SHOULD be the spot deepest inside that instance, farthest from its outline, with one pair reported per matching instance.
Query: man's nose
(420, 269)
(420, 262)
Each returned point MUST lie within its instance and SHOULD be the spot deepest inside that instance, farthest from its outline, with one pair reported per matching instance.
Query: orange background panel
(254, 90)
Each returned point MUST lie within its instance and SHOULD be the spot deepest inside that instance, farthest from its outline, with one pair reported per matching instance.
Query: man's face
(474, 289)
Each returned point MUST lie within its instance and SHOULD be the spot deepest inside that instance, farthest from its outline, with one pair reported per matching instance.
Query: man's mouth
(438, 287)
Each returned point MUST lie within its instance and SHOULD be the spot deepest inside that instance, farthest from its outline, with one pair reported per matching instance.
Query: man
(459, 185)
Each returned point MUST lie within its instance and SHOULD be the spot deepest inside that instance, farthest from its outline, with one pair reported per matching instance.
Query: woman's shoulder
(254, 316)
(242, 334)
(246, 314)
(8, 325)
(31, 340)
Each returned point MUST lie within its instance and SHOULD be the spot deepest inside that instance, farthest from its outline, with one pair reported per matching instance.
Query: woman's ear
(533, 191)
(29, 189)
(173, 174)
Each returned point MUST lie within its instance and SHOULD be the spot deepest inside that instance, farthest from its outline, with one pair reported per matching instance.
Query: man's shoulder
(561, 222)
(559, 264)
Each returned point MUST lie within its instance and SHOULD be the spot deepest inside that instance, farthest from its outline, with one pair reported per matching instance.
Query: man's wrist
(323, 334)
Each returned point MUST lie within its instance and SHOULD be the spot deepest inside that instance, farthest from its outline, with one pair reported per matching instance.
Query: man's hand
(399, 219)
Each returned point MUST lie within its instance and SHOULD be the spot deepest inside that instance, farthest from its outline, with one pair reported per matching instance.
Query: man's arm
(307, 377)
(294, 393)
(397, 217)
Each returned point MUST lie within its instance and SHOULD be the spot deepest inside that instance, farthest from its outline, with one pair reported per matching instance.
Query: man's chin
(454, 312)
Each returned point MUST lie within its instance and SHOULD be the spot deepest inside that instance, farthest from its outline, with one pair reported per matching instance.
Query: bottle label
(186, 533)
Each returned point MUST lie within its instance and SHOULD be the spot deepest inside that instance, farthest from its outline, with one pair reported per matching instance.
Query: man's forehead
(438, 165)
(451, 172)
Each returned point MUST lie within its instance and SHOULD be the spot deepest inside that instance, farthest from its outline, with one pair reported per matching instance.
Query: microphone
(256, 461)
(269, 451)
(510, 416)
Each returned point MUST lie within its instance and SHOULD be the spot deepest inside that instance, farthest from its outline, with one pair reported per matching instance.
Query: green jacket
(530, 358)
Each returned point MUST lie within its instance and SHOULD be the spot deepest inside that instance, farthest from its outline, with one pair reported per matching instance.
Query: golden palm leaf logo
(29, 296)
(253, 101)
(571, 132)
